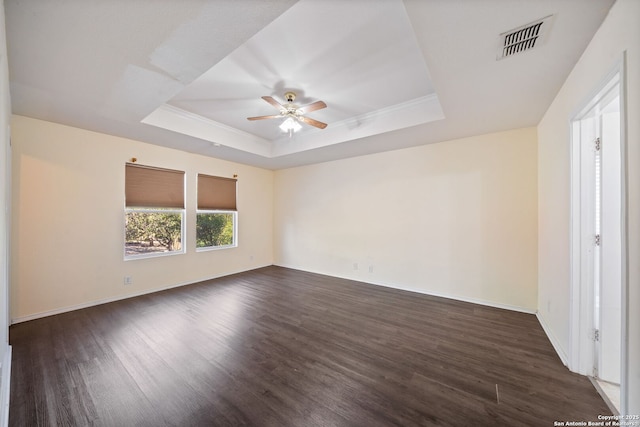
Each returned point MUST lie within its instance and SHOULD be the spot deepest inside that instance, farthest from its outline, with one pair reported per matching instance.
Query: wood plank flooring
(280, 347)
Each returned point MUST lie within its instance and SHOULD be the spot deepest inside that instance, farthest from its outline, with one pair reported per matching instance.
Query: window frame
(234, 216)
(154, 190)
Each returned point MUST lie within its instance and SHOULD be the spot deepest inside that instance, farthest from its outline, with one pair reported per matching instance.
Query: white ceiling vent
(524, 38)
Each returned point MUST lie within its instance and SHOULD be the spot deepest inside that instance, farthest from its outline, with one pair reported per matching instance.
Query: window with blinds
(154, 211)
(216, 217)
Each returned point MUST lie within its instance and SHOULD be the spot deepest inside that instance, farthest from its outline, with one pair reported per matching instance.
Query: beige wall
(619, 32)
(457, 218)
(68, 223)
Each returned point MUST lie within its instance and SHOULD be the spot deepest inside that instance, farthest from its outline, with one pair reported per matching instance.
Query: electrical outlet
(355, 265)
(371, 269)
(128, 280)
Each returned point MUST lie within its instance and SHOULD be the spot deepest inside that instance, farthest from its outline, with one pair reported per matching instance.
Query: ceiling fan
(292, 113)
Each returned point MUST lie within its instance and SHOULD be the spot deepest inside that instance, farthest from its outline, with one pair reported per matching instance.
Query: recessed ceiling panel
(360, 57)
(195, 70)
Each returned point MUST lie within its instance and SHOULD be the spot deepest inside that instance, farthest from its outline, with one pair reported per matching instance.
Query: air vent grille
(523, 38)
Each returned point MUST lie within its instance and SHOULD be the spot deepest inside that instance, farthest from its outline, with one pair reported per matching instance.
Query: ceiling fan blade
(313, 122)
(275, 116)
(318, 105)
(273, 102)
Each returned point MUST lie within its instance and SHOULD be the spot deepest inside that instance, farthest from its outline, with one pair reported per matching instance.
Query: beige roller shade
(216, 193)
(151, 187)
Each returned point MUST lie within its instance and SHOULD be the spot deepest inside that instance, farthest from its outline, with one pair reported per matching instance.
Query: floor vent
(523, 38)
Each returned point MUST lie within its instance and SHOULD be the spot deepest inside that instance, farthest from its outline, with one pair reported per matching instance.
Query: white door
(597, 234)
(599, 259)
(609, 289)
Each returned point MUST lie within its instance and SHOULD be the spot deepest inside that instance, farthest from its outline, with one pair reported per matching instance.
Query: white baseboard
(424, 292)
(612, 399)
(458, 298)
(554, 341)
(5, 387)
(67, 309)
(386, 285)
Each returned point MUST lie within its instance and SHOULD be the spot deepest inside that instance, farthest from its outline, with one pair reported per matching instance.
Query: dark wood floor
(279, 347)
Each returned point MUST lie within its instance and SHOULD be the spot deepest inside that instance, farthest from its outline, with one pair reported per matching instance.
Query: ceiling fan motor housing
(290, 96)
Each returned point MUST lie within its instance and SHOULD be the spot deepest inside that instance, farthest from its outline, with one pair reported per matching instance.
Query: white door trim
(582, 348)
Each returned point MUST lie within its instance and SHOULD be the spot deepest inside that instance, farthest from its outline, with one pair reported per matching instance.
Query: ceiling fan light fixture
(293, 114)
(290, 125)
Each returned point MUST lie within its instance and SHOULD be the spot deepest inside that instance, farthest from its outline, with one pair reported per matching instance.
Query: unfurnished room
(320, 213)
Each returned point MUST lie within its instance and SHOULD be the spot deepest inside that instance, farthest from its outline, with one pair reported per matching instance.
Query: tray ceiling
(186, 75)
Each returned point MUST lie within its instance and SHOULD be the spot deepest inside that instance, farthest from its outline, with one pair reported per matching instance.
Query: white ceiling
(187, 74)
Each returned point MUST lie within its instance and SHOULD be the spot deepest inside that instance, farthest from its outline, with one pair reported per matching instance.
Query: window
(216, 218)
(154, 211)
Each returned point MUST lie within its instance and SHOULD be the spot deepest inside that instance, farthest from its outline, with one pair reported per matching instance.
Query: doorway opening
(598, 241)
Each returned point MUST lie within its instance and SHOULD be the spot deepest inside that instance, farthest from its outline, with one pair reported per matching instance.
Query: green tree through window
(152, 232)
(215, 229)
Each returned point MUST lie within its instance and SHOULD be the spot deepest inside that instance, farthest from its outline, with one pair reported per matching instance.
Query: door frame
(582, 348)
